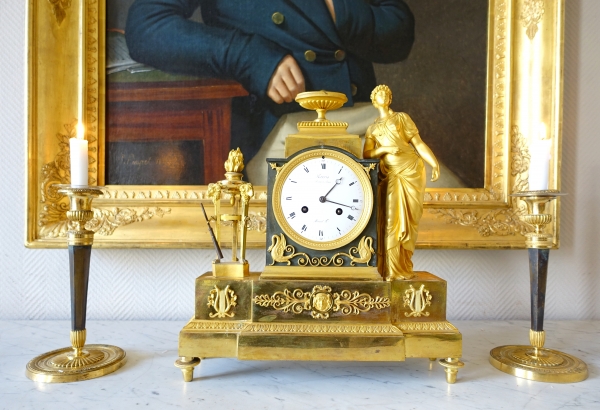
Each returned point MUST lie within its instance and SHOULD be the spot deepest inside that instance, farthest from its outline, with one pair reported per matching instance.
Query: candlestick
(80, 361)
(539, 163)
(536, 362)
(79, 158)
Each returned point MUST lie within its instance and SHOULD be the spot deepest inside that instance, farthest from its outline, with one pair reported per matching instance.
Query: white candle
(79, 158)
(539, 164)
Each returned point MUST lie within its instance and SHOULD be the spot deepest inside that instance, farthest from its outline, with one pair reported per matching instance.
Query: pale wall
(159, 284)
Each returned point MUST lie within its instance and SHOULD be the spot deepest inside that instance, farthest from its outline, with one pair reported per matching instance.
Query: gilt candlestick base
(535, 362)
(80, 361)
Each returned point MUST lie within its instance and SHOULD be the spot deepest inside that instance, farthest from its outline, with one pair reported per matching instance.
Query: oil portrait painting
(189, 80)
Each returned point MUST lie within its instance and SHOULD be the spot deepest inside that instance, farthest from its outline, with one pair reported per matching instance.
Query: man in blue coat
(274, 48)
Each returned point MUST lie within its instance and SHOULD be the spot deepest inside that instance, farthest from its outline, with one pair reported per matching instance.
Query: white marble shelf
(150, 380)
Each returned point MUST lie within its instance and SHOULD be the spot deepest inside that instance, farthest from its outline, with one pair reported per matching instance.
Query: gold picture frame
(524, 89)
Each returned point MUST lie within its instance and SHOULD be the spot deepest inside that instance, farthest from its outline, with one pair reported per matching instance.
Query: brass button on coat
(339, 55)
(277, 17)
(310, 56)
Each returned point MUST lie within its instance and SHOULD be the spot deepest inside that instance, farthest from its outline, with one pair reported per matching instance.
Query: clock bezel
(363, 177)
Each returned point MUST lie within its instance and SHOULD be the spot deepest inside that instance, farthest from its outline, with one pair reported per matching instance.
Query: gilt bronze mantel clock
(320, 215)
(322, 294)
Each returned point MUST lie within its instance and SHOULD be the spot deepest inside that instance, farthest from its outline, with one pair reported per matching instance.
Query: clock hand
(348, 206)
(324, 197)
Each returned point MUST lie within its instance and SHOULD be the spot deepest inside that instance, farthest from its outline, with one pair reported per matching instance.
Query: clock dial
(322, 199)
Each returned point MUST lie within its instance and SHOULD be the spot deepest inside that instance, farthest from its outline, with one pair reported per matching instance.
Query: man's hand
(286, 82)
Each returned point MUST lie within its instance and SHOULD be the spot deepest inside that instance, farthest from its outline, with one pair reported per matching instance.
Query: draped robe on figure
(401, 190)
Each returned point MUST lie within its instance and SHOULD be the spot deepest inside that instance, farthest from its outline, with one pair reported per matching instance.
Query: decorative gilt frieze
(283, 253)
(335, 260)
(417, 301)
(92, 73)
(59, 9)
(353, 303)
(426, 327)
(106, 221)
(307, 328)
(531, 15)
(454, 197)
(154, 194)
(499, 222)
(214, 325)
(501, 86)
(160, 194)
(321, 301)
(295, 301)
(222, 301)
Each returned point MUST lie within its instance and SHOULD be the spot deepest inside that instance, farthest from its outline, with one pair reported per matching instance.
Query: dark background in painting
(116, 13)
(442, 85)
(168, 163)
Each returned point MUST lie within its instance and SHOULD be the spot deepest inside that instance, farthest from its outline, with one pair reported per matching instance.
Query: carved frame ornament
(524, 89)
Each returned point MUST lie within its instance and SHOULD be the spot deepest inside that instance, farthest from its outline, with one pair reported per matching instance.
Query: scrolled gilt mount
(321, 302)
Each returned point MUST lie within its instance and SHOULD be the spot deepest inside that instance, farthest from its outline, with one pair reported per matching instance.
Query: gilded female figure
(395, 140)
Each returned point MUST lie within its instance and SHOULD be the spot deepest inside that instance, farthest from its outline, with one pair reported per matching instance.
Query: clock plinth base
(259, 318)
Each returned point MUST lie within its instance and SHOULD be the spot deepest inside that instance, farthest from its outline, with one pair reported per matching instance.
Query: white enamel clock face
(322, 199)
